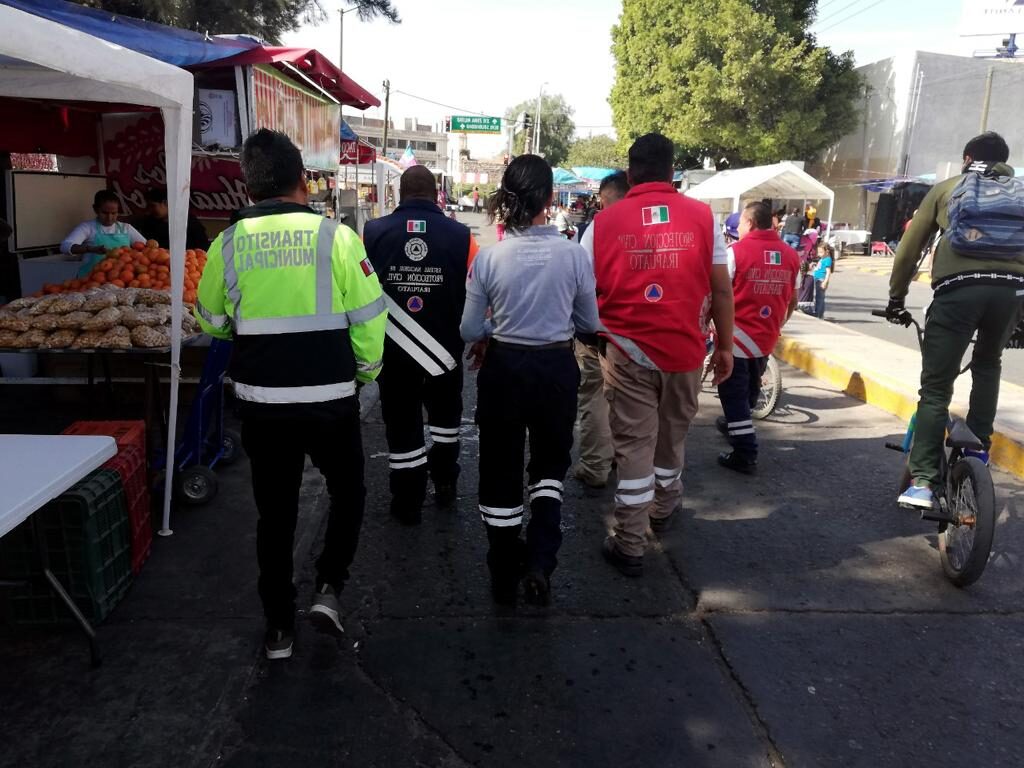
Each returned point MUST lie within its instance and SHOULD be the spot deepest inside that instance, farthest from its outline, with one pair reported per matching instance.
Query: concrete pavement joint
(744, 695)
(216, 736)
(414, 717)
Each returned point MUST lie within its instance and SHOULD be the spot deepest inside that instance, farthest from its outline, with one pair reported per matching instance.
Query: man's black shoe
(504, 591)
(660, 525)
(738, 462)
(627, 565)
(445, 494)
(536, 587)
(406, 516)
(722, 425)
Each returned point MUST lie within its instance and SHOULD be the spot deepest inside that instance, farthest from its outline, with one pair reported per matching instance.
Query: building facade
(918, 111)
(427, 142)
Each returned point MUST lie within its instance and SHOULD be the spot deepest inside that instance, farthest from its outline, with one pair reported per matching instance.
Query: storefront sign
(312, 122)
(992, 17)
(134, 152)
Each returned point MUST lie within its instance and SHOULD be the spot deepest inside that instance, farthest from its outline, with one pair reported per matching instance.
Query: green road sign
(475, 124)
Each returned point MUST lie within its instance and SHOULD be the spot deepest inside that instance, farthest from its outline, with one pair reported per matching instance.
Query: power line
(439, 104)
(851, 16)
(833, 14)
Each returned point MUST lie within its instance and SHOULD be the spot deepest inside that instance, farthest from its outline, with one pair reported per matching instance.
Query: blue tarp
(174, 46)
(593, 174)
(565, 178)
(347, 134)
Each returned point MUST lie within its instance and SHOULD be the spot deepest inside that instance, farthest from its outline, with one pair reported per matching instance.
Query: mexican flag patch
(773, 258)
(415, 227)
(657, 214)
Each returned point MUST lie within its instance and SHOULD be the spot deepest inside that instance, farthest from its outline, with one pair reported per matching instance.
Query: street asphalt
(796, 618)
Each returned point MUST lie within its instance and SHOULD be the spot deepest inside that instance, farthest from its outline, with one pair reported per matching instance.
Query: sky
(483, 56)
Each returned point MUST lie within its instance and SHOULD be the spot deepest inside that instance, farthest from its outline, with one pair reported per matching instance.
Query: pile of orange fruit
(143, 265)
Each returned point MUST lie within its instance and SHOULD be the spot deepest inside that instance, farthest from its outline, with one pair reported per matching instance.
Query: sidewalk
(888, 376)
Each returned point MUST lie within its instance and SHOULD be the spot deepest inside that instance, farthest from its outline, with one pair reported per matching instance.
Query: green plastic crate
(87, 536)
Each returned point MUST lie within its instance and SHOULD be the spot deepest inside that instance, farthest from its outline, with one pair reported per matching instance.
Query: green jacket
(933, 216)
(302, 302)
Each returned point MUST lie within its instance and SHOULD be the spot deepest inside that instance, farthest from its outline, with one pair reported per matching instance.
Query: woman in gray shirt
(539, 289)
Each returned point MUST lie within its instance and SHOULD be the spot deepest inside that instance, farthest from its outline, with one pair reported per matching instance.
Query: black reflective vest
(421, 258)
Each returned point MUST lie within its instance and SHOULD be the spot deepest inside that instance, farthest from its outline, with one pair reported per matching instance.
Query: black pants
(405, 390)
(739, 395)
(520, 392)
(277, 449)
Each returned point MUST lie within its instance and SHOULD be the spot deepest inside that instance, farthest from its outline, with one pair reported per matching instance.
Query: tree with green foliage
(739, 81)
(596, 151)
(265, 19)
(556, 127)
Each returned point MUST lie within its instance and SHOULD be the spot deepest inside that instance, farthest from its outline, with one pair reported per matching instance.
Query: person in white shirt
(561, 221)
(94, 238)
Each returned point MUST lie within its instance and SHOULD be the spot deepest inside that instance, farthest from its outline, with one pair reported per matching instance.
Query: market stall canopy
(174, 46)
(564, 178)
(347, 134)
(306, 64)
(781, 181)
(42, 59)
(592, 174)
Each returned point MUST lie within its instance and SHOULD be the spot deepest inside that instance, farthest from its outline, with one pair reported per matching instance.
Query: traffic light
(447, 125)
(527, 121)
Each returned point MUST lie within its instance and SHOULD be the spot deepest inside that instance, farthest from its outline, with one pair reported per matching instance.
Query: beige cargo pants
(595, 435)
(649, 413)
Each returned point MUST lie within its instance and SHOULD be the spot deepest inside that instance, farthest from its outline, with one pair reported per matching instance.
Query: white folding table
(35, 469)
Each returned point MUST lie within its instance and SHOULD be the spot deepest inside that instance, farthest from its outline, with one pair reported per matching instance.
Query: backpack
(986, 215)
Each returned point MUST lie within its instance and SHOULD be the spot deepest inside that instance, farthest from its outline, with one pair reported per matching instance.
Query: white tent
(781, 181)
(41, 59)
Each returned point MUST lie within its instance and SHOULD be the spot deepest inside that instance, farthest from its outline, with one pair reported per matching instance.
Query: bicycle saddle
(960, 436)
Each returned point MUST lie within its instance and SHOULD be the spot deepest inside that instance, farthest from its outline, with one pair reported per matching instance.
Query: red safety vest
(766, 274)
(652, 259)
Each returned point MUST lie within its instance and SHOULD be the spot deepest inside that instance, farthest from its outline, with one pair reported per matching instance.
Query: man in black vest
(421, 258)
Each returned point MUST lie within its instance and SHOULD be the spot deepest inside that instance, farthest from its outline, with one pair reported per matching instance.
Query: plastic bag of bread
(144, 336)
(60, 339)
(133, 317)
(103, 320)
(87, 340)
(126, 297)
(117, 337)
(73, 320)
(7, 338)
(43, 305)
(24, 303)
(99, 300)
(68, 302)
(188, 324)
(30, 339)
(9, 321)
(152, 297)
(46, 322)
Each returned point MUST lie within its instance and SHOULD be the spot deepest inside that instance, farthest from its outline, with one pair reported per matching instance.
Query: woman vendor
(92, 239)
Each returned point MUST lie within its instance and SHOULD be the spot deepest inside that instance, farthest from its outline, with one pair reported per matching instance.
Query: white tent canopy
(41, 59)
(781, 181)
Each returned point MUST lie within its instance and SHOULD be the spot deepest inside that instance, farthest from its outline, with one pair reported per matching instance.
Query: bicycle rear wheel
(771, 389)
(964, 546)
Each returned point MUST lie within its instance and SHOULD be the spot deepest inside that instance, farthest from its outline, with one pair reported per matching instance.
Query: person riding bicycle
(975, 292)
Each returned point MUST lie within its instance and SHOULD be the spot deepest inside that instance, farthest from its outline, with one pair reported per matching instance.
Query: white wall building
(918, 112)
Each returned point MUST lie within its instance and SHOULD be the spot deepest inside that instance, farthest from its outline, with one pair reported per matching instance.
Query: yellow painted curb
(1007, 451)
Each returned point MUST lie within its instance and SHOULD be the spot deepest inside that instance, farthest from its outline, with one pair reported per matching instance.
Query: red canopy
(312, 64)
(356, 153)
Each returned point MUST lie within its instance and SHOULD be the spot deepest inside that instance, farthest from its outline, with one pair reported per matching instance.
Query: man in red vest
(661, 267)
(764, 287)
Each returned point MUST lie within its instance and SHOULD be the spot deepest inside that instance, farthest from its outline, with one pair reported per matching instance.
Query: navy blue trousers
(739, 395)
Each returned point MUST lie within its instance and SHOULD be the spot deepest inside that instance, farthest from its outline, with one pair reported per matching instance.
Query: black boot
(738, 462)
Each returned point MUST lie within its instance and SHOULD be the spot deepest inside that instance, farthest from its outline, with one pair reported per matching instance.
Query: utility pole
(988, 99)
(387, 106)
(536, 123)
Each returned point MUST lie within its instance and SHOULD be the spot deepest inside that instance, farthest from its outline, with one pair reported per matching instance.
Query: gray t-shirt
(538, 285)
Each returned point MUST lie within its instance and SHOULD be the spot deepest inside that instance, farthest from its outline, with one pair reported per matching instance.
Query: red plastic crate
(124, 432)
(140, 520)
(131, 466)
